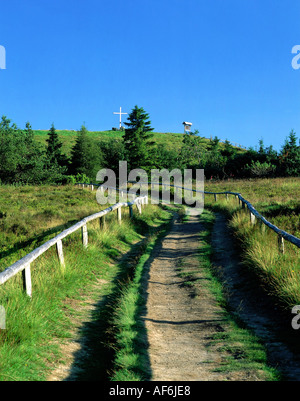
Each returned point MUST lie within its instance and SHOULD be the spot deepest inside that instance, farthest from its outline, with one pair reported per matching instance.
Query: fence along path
(254, 214)
(23, 264)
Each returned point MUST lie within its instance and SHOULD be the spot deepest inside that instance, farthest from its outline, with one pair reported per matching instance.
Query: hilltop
(68, 137)
(167, 139)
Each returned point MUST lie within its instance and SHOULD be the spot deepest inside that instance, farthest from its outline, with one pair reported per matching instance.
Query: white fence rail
(23, 265)
(254, 214)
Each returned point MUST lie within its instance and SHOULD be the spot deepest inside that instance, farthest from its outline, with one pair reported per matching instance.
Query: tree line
(25, 161)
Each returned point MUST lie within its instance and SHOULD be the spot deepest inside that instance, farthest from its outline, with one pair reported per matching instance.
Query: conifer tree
(53, 151)
(290, 156)
(138, 146)
(21, 157)
(86, 158)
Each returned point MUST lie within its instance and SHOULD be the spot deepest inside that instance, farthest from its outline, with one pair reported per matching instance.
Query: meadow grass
(29, 345)
(68, 138)
(168, 140)
(30, 215)
(278, 200)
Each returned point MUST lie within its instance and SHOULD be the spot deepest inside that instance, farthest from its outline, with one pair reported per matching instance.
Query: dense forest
(25, 161)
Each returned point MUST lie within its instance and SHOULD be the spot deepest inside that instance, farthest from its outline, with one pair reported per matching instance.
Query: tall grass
(29, 346)
(278, 201)
(30, 215)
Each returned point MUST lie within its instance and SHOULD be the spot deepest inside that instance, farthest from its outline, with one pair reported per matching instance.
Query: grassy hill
(68, 137)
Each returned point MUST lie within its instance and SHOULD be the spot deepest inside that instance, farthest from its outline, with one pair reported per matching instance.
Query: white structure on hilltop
(187, 126)
(120, 113)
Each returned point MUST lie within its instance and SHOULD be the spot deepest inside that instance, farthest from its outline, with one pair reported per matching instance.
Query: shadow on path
(93, 353)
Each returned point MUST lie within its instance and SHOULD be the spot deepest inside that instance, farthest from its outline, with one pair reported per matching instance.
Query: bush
(258, 169)
(78, 178)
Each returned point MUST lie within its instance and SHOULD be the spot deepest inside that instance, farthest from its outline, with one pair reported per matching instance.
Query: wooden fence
(23, 265)
(253, 213)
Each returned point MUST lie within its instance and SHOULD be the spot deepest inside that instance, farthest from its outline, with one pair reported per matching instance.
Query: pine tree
(53, 150)
(86, 158)
(21, 157)
(192, 150)
(139, 149)
(290, 156)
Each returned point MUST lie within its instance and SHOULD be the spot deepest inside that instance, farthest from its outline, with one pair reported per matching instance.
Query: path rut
(254, 306)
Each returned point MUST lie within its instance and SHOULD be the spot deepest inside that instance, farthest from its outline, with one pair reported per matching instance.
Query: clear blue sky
(224, 65)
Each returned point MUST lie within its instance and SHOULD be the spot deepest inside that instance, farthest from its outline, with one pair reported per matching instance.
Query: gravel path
(180, 324)
(181, 319)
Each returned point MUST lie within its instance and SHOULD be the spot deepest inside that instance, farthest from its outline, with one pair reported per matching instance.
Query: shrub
(258, 169)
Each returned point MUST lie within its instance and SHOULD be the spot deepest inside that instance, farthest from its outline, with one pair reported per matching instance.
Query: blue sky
(224, 65)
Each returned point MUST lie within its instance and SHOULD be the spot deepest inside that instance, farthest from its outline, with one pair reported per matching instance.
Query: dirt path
(181, 319)
(179, 322)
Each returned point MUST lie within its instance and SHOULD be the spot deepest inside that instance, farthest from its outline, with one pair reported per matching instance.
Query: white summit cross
(120, 112)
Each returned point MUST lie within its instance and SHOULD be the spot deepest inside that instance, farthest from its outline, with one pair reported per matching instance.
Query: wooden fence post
(215, 197)
(262, 227)
(84, 235)
(27, 280)
(102, 222)
(119, 214)
(281, 243)
(60, 253)
(252, 218)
